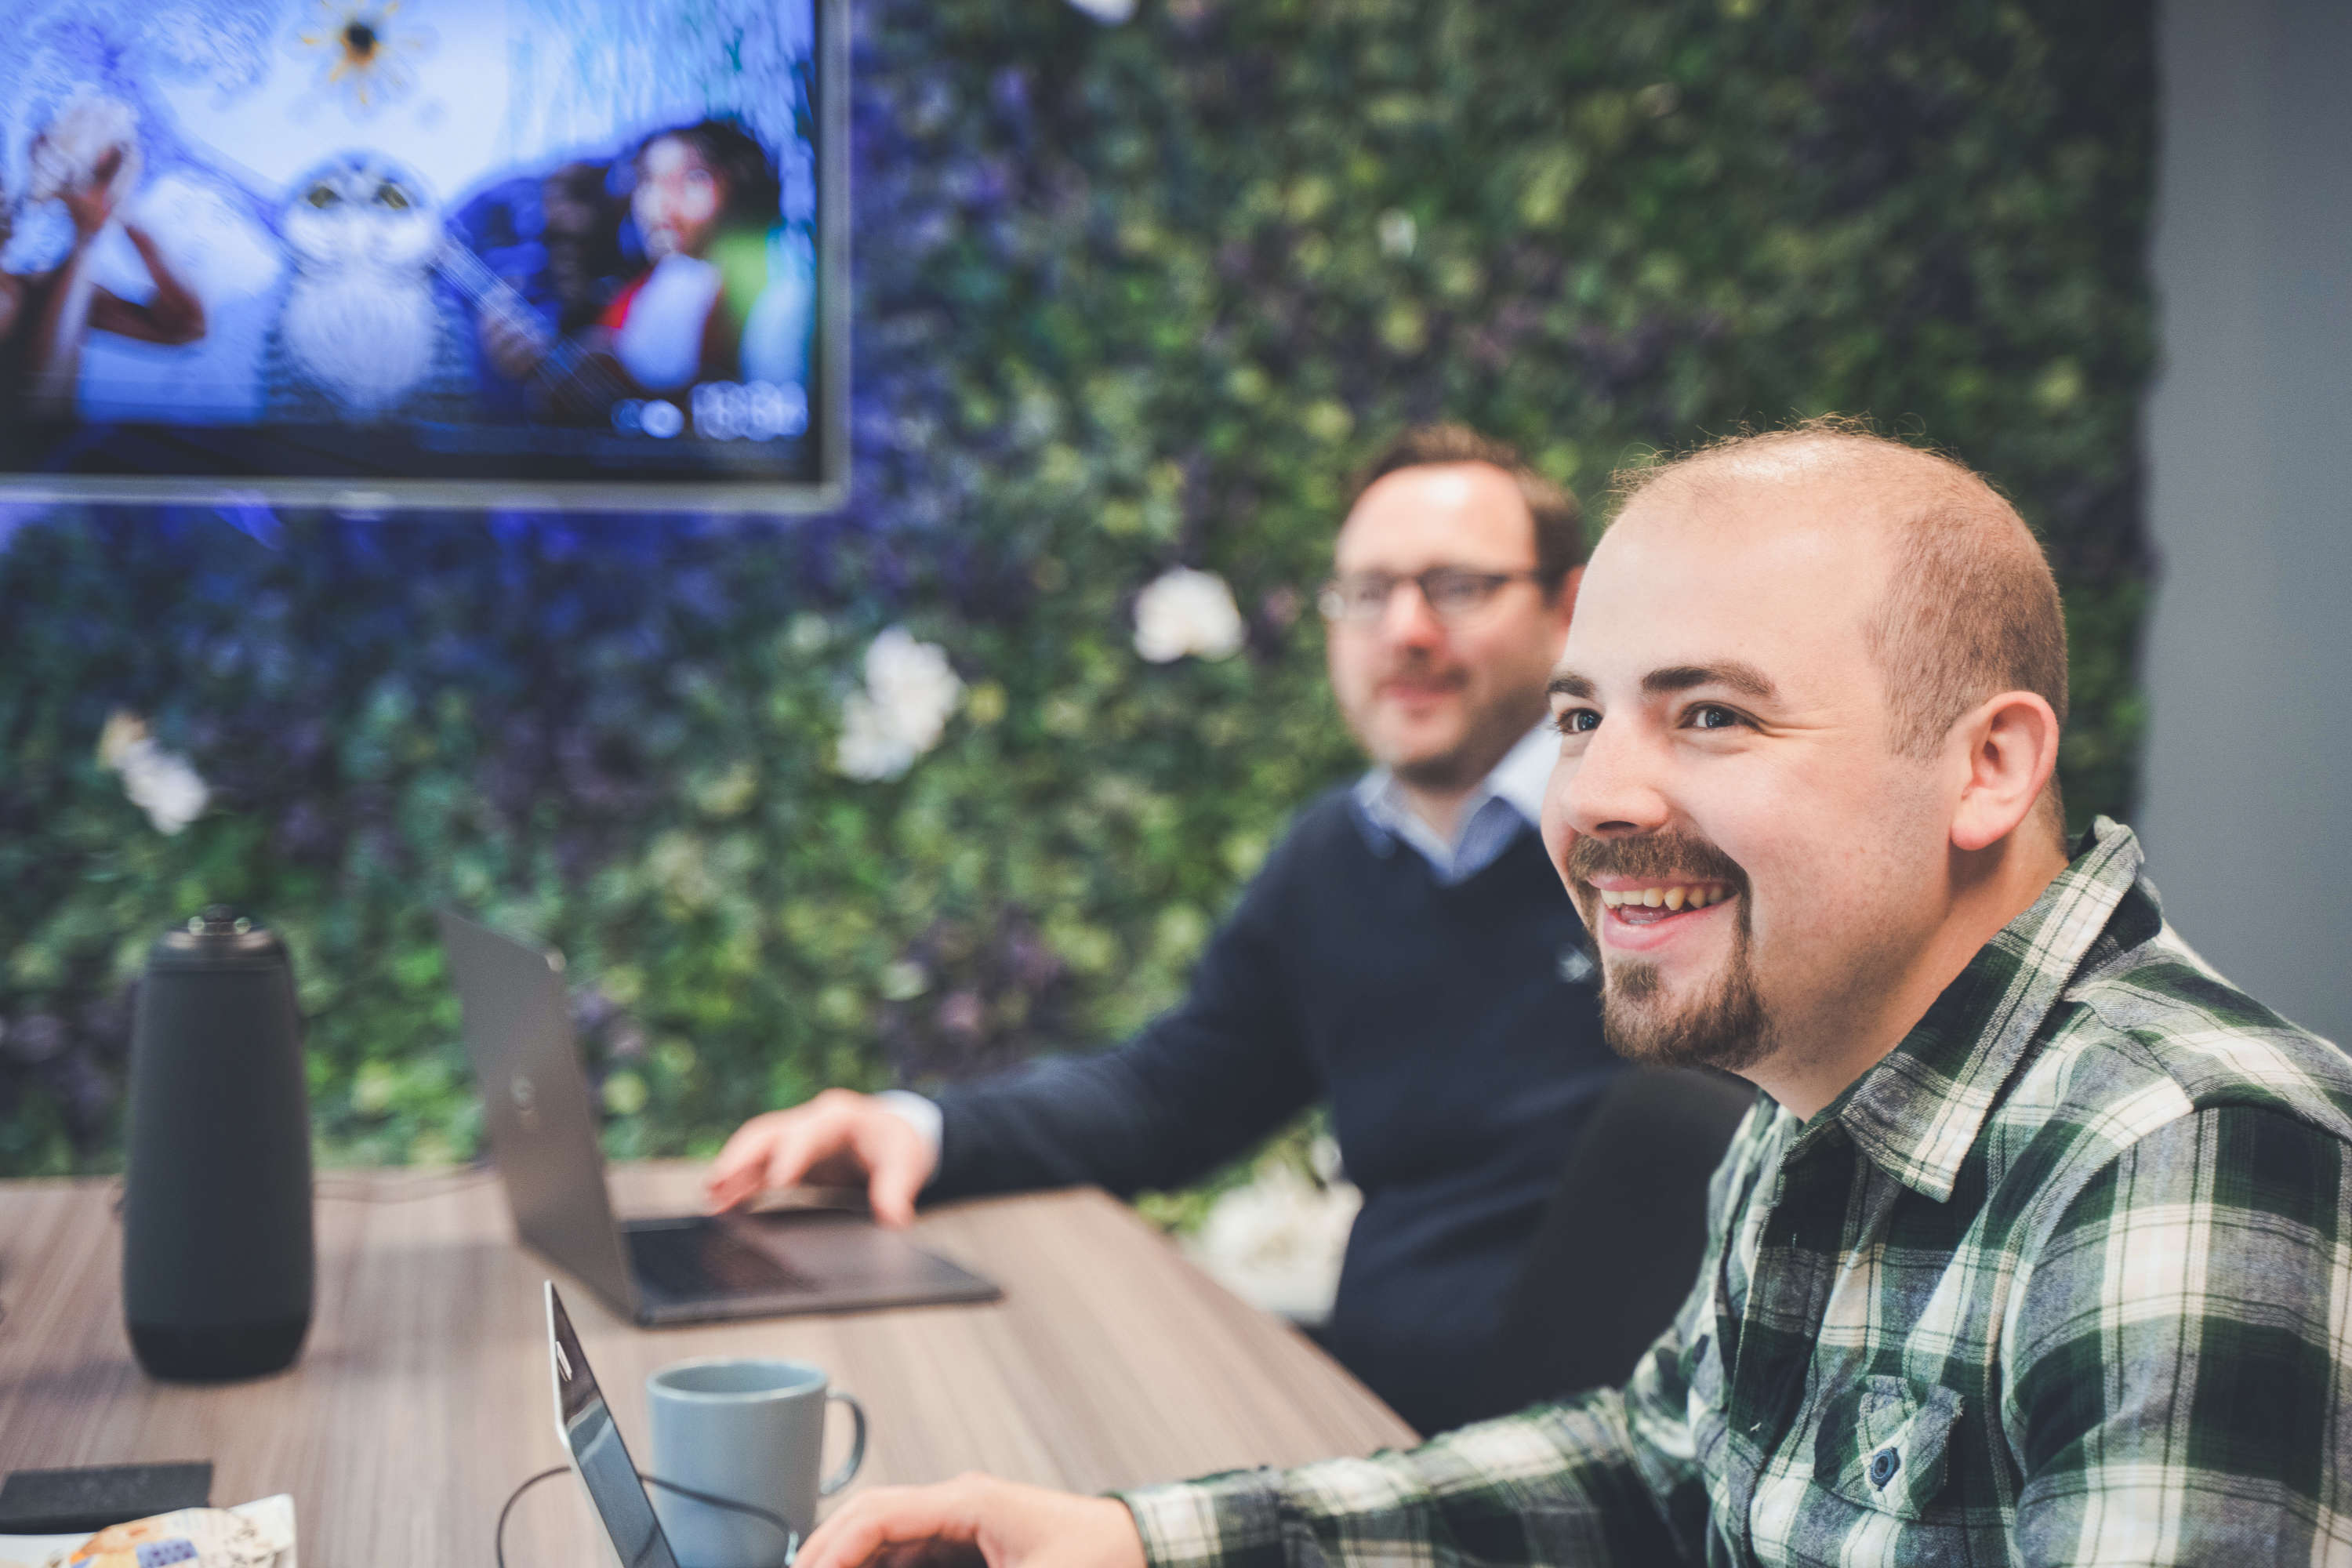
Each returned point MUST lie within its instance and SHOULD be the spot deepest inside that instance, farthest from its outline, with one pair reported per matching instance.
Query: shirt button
(1883, 1466)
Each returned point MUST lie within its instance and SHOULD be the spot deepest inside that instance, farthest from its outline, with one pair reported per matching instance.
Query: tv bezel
(829, 398)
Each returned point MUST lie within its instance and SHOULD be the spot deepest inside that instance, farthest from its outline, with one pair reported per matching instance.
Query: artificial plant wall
(1129, 297)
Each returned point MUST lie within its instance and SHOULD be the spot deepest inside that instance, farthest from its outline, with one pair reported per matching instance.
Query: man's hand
(974, 1520)
(838, 1137)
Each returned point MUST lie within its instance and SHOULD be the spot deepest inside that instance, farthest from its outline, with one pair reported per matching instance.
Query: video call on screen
(551, 238)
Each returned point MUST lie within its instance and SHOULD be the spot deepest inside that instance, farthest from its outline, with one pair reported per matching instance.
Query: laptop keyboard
(705, 1261)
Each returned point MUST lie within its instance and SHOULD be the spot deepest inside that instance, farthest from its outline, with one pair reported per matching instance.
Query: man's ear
(2012, 749)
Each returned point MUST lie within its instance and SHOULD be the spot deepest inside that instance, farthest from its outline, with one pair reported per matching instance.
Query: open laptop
(687, 1268)
(599, 1457)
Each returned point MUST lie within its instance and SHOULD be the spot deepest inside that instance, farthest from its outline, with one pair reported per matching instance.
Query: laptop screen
(597, 1452)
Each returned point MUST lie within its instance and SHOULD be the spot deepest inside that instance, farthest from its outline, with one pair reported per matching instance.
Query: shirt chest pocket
(1889, 1450)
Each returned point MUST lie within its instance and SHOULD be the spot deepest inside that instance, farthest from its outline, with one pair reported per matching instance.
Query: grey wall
(2247, 809)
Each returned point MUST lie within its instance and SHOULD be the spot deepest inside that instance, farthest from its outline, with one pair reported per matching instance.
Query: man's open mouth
(1663, 900)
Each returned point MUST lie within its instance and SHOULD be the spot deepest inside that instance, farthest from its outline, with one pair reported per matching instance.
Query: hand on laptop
(1000, 1523)
(839, 1138)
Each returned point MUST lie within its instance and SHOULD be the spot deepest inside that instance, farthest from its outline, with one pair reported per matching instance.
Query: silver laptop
(688, 1269)
(584, 1424)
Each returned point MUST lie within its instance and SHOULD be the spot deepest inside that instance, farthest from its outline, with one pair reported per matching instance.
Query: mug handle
(848, 1471)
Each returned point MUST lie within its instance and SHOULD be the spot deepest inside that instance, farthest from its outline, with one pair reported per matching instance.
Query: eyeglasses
(1360, 599)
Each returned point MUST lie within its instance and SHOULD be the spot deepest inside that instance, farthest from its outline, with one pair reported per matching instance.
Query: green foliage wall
(1128, 298)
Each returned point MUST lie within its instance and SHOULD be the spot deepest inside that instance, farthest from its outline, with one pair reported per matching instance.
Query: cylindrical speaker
(216, 1249)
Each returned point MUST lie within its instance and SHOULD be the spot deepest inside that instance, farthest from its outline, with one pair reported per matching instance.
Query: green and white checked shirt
(2065, 1278)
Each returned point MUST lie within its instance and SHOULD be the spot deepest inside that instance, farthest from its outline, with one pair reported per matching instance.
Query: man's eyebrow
(1568, 683)
(1735, 674)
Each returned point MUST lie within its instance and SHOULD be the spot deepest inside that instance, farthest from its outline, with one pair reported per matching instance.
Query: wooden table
(422, 1397)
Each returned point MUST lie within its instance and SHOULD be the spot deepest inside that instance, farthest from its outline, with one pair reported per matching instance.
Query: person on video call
(713, 302)
(2038, 1249)
(1405, 955)
(88, 159)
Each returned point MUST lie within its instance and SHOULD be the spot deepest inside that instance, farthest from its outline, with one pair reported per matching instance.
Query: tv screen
(424, 252)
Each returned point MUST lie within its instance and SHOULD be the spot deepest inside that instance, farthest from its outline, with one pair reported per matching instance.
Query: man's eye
(1576, 721)
(1712, 716)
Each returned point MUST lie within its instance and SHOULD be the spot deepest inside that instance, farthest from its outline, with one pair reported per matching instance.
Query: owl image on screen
(362, 332)
(447, 237)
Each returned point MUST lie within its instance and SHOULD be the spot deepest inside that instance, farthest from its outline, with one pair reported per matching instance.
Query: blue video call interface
(416, 238)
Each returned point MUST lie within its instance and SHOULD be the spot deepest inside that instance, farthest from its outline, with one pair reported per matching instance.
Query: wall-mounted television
(393, 253)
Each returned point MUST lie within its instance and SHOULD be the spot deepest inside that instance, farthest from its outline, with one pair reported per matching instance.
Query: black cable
(499, 1535)
(775, 1521)
(366, 1189)
(792, 1538)
(350, 1185)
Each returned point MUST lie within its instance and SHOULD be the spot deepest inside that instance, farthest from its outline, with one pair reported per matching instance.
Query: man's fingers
(735, 1175)
(892, 1191)
(896, 1163)
(837, 1134)
(890, 1519)
(796, 1148)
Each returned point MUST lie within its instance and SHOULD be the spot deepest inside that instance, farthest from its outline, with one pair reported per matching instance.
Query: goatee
(1726, 1028)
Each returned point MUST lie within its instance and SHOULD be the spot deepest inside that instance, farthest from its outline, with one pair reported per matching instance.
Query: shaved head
(1970, 608)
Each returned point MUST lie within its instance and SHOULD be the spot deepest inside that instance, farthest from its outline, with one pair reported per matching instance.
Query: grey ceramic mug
(748, 1428)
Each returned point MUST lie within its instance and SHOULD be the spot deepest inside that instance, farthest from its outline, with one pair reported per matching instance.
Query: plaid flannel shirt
(2065, 1278)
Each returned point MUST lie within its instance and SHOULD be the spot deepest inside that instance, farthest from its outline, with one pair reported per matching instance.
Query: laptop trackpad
(696, 1259)
(852, 1259)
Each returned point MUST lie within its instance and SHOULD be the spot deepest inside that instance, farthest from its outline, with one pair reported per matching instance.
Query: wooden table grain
(422, 1396)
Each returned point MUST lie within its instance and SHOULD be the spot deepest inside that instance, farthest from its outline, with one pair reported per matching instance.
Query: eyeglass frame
(1489, 583)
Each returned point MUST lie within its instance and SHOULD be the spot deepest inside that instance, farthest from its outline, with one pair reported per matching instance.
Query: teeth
(1674, 898)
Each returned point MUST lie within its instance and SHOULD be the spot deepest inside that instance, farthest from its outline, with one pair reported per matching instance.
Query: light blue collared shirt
(1506, 801)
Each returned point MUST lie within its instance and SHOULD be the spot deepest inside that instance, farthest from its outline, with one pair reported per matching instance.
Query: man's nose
(1407, 621)
(1614, 785)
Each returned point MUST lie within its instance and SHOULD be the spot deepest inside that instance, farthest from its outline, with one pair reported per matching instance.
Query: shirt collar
(1518, 781)
(1525, 773)
(1916, 1114)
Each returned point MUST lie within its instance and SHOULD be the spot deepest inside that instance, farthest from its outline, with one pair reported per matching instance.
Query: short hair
(1559, 519)
(1971, 607)
(755, 194)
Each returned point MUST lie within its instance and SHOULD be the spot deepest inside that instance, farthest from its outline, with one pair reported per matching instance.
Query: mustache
(1417, 665)
(1654, 856)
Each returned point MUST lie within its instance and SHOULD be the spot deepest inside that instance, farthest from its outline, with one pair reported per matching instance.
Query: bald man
(2037, 1245)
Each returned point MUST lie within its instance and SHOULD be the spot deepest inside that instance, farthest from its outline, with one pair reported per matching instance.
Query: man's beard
(1490, 729)
(1728, 1027)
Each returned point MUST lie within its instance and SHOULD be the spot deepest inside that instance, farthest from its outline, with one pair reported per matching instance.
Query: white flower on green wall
(164, 784)
(1187, 612)
(902, 710)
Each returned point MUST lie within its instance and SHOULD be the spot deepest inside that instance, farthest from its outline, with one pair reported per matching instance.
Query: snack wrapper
(251, 1535)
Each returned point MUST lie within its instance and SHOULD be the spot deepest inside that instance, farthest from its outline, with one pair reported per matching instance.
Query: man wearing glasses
(1406, 954)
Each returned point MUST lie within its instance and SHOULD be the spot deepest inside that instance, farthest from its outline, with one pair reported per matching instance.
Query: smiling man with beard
(2037, 1245)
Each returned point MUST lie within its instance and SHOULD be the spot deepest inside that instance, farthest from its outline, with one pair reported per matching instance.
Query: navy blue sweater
(1456, 1032)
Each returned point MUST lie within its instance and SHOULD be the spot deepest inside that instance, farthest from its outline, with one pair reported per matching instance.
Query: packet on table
(251, 1535)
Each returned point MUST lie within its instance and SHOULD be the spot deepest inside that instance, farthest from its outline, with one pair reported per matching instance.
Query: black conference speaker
(216, 1259)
